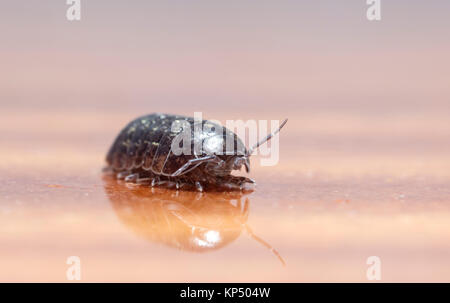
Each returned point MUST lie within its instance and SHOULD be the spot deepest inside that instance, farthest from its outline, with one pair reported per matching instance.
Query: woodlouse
(143, 153)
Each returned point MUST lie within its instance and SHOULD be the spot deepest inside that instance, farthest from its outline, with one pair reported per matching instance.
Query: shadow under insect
(187, 220)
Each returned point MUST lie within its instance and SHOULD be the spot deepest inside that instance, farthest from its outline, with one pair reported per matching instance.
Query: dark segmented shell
(145, 143)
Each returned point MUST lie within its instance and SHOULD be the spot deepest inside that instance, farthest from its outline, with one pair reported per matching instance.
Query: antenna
(252, 235)
(267, 138)
(258, 239)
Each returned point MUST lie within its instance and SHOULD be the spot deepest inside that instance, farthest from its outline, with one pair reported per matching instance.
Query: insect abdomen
(145, 143)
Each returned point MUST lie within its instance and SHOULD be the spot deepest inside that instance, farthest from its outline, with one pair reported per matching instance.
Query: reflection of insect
(142, 153)
(186, 220)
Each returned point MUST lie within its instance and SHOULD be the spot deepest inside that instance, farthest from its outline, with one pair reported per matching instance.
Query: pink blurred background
(205, 55)
(365, 157)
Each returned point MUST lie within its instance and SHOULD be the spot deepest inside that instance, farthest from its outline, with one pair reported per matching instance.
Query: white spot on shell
(213, 144)
(177, 126)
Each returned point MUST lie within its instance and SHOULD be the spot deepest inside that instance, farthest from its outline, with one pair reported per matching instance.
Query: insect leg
(233, 182)
(166, 183)
(198, 186)
(248, 180)
(154, 182)
(132, 178)
(121, 175)
(143, 180)
(192, 162)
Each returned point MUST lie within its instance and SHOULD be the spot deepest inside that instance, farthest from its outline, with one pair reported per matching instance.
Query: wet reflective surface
(364, 167)
(186, 220)
(326, 207)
